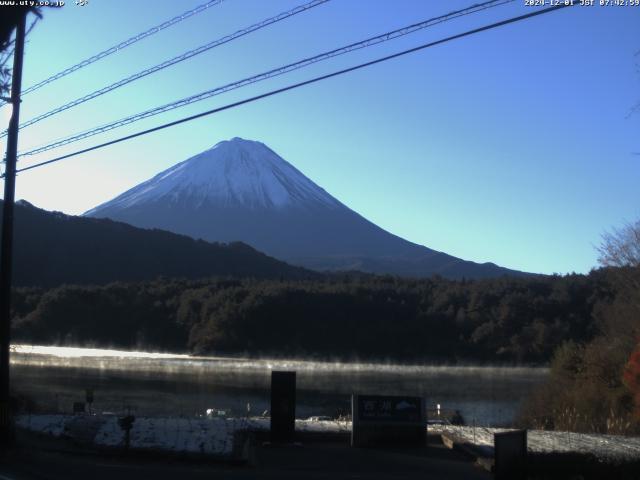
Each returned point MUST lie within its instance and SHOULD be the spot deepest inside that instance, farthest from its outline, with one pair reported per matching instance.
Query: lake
(152, 384)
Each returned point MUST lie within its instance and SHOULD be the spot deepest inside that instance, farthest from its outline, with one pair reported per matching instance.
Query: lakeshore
(153, 384)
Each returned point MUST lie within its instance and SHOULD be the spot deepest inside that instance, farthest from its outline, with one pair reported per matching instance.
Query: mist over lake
(167, 384)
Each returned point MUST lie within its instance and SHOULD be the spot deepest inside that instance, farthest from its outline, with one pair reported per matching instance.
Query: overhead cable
(298, 85)
(266, 75)
(122, 45)
(174, 60)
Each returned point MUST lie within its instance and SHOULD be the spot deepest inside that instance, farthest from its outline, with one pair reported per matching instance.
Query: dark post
(283, 407)
(510, 449)
(89, 397)
(6, 422)
(126, 424)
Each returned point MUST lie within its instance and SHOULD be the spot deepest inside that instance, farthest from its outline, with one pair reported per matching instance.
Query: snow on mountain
(242, 190)
(234, 172)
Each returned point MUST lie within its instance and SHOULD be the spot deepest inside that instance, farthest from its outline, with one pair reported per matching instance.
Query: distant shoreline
(61, 356)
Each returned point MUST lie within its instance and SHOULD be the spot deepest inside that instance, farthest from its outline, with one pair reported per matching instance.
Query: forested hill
(51, 248)
(508, 320)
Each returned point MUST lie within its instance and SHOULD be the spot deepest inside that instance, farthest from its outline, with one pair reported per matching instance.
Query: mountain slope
(51, 248)
(242, 190)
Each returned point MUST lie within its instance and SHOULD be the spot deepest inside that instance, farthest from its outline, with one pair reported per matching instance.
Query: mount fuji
(241, 190)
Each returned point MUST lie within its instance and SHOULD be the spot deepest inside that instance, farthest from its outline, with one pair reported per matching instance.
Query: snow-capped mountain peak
(233, 172)
(241, 190)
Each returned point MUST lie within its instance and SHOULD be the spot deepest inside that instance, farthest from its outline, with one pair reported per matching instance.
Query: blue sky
(513, 146)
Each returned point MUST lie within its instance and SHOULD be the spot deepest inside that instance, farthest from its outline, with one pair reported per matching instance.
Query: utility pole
(6, 247)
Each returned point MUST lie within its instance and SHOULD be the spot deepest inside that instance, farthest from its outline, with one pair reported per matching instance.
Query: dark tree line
(507, 320)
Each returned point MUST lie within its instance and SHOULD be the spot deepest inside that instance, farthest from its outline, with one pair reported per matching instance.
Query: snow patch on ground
(305, 426)
(323, 426)
(175, 434)
(215, 436)
(543, 441)
(207, 436)
(182, 435)
(47, 424)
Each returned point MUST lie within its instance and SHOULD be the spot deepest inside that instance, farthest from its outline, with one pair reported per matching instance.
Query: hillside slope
(51, 248)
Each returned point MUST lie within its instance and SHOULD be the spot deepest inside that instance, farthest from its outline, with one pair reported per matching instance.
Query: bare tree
(5, 72)
(621, 247)
(8, 21)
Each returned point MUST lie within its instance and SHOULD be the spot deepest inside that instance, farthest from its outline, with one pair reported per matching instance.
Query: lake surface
(165, 384)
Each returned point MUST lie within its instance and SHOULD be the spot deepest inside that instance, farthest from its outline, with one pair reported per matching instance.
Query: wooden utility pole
(6, 246)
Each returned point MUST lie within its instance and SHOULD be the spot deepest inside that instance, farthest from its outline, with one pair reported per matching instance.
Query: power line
(122, 45)
(174, 60)
(267, 75)
(300, 84)
(384, 37)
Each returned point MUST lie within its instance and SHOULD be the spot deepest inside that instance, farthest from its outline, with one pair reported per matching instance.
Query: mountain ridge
(242, 190)
(52, 248)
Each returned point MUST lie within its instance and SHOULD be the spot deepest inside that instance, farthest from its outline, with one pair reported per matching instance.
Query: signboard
(283, 406)
(388, 420)
(510, 455)
(389, 409)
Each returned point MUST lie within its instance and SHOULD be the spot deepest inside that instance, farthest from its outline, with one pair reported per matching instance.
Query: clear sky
(513, 146)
